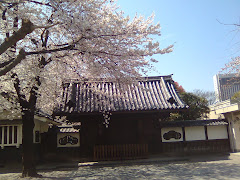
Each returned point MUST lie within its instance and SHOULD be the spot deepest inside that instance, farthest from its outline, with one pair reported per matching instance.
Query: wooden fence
(120, 152)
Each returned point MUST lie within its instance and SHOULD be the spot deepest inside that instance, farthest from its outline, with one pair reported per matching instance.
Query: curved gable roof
(148, 93)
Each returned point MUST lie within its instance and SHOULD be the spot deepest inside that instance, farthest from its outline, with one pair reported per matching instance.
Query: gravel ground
(222, 168)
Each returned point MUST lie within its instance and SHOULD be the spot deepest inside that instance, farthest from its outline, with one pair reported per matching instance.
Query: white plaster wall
(236, 134)
(40, 126)
(234, 131)
(44, 127)
(61, 135)
(214, 115)
(195, 133)
(167, 129)
(217, 132)
(37, 125)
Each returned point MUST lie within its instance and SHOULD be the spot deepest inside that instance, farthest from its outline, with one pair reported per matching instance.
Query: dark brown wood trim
(120, 112)
(184, 135)
(206, 133)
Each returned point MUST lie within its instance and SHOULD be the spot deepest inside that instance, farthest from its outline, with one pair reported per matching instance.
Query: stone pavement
(207, 166)
(16, 167)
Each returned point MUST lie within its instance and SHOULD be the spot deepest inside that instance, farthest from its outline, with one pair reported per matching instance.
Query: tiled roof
(70, 128)
(210, 122)
(152, 93)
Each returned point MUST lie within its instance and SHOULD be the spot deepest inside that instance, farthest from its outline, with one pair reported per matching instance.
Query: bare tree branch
(33, 93)
(228, 24)
(22, 99)
(69, 47)
(40, 3)
(8, 66)
(27, 28)
(2, 65)
(19, 58)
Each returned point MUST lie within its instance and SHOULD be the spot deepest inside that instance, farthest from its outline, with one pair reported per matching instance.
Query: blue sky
(202, 45)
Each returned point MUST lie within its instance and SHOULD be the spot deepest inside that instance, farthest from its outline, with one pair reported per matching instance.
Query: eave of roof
(44, 117)
(187, 123)
(6, 117)
(11, 122)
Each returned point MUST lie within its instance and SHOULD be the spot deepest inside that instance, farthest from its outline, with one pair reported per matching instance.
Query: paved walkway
(214, 166)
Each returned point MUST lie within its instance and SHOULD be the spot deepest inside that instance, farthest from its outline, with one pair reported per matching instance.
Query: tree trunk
(28, 160)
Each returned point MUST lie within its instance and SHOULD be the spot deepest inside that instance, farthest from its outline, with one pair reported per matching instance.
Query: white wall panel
(195, 133)
(217, 132)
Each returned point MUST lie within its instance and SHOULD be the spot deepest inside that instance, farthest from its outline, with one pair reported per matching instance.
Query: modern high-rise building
(226, 85)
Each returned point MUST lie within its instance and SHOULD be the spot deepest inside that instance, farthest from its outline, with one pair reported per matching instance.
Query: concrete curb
(48, 166)
(150, 160)
(59, 166)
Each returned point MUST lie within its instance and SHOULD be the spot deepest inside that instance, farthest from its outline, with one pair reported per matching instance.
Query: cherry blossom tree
(44, 42)
(233, 66)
